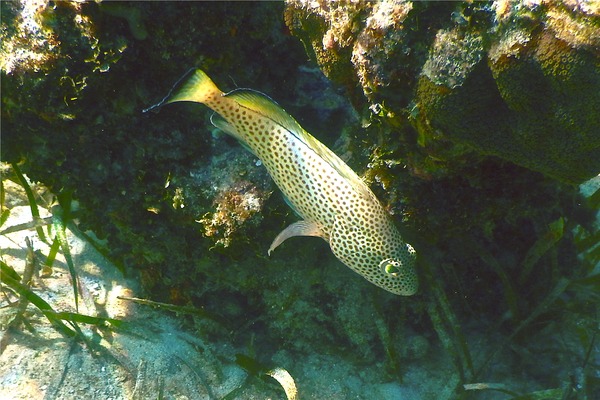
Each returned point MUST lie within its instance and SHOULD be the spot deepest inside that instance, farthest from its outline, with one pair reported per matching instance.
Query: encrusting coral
(517, 80)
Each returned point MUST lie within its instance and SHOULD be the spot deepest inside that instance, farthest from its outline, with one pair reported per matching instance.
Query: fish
(333, 202)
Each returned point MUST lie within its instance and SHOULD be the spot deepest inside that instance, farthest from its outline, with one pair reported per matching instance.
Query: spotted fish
(333, 202)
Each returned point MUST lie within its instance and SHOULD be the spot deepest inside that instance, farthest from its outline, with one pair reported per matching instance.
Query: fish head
(380, 256)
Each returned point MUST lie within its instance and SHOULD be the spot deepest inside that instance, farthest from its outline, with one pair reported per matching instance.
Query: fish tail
(198, 88)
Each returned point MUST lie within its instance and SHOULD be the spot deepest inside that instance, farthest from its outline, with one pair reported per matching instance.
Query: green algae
(10, 278)
(133, 16)
(22, 284)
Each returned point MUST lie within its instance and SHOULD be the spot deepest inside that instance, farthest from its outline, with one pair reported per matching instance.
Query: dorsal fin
(264, 105)
(267, 107)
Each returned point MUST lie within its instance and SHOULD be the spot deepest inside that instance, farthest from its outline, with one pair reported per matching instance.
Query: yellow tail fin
(197, 88)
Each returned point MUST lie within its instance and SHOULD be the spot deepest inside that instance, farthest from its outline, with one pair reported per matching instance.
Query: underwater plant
(66, 322)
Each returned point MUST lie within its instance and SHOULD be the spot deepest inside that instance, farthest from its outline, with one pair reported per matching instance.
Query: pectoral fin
(300, 228)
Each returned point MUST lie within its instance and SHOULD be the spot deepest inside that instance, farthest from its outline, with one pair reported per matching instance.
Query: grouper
(331, 199)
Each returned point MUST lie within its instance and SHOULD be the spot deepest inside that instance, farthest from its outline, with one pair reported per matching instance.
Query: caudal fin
(198, 87)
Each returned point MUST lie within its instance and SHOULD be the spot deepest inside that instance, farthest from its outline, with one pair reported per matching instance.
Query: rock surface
(516, 80)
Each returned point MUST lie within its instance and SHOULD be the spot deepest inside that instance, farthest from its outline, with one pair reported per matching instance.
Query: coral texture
(516, 80)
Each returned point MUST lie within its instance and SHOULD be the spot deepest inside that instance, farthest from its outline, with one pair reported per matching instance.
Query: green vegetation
(65, 322)
(573, 300)
(19, 293)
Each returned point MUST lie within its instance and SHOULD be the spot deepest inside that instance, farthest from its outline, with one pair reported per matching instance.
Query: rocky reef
(515, 80)
(473, 122)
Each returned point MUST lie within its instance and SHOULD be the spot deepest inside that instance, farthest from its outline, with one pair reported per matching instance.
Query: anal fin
(300, 228)
(220, 122)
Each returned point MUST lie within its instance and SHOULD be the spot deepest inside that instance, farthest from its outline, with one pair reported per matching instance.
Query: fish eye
(390, 267)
